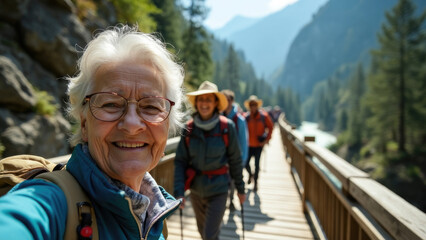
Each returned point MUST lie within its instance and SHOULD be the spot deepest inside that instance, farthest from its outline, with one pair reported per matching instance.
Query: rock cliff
(40, 42)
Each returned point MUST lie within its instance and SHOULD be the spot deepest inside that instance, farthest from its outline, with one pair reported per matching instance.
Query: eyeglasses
(110, 106)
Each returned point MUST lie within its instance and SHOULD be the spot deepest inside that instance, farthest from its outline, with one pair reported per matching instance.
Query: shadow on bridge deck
(274, 212)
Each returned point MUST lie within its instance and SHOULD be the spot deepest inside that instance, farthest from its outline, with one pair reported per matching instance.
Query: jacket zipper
(134, 216)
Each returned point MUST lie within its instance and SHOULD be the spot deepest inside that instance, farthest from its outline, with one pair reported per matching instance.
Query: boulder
(38, 76)
(53, 36)
(15, 90)
(41, 135)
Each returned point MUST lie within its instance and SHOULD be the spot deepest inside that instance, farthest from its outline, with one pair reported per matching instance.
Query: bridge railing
(342, 201)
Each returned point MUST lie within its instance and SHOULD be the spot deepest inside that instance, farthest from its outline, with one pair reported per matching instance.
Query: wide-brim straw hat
(205, 88)
(252, 98)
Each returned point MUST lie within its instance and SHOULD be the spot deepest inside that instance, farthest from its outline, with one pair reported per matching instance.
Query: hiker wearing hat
(209, 150)
(260, 130)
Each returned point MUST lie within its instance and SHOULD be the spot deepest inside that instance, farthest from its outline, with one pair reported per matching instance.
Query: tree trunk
(401, 127)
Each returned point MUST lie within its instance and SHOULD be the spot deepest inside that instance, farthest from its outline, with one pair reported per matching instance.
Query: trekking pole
(181, 223)
(242, 217)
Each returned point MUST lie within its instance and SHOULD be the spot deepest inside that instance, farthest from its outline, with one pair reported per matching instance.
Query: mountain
(341, 33)
(266, 42)
(236, 24)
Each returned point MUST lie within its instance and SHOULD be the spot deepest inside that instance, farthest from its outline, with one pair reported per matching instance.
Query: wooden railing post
(305, 175)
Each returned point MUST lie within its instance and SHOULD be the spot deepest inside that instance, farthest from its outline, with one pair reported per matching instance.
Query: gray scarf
(208, 124)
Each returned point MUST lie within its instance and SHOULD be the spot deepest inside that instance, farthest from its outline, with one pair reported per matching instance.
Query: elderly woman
(124, 100)
(210, 148)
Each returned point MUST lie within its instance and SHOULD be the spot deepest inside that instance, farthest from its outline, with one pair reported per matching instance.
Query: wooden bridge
(275, 211)
(305, 192)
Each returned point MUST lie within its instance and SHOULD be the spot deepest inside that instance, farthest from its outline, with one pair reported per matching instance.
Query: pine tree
(232, 70)
(170, 23)
(137, 12)
(396, 63)
(196, 52)
(356, 118)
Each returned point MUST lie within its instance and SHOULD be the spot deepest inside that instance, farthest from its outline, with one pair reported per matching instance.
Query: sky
(222, 11)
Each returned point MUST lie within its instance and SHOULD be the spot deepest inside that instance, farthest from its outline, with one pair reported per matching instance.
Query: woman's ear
(83, 127)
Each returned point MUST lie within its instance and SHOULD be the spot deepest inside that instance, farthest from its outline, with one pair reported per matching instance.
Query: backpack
(80, 219)
(190, 172)
(235, 120)
(224, 131)
(262, 117)
(16, 169)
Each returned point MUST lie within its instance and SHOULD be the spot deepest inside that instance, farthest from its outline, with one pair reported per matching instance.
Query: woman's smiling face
(206, 105)
(127, 148)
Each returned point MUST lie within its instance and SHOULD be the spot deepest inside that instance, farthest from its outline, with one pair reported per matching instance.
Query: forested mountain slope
(342, 32)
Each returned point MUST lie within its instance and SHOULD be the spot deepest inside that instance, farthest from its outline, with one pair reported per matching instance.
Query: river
(321, 138)
(311, 129)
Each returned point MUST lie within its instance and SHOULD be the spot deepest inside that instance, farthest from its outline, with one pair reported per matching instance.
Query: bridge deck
(274, 212)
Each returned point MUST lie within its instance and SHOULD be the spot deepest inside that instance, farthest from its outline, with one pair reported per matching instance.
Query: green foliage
(84, 8)
(136, 12)
(341, 33)
(2, 148)
(393, 97)
(227, 71)
(45, 103)
(170, 23)
(289, 103)
(196, 54)
(355, 121)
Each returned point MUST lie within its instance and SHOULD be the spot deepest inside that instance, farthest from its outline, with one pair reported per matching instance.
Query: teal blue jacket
(207, 151)
(36, 209)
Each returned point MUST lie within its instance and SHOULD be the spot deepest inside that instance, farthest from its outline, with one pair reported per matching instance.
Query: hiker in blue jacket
(239, 120)
(123, 101)
(209, 148)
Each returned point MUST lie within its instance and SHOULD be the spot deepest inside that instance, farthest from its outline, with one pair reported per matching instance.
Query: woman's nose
(131, 122)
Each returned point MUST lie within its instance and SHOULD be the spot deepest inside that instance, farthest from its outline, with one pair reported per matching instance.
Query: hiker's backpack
(235, 120)
(81, 220)
(190, 172)
(224, 131)
(262, 117)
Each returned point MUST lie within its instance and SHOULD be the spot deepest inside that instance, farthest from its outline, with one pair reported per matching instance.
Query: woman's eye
(150, 109)
(111, 105)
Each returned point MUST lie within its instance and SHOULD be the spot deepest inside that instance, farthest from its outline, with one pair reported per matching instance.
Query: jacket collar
(109, 196)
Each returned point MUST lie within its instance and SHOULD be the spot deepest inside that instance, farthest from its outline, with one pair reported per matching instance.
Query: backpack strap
(235, 120)
(189, 128)
(80, 211)
(262, 117)
(224, 129)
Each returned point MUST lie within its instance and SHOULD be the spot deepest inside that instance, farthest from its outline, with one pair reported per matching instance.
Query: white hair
(119, 44)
